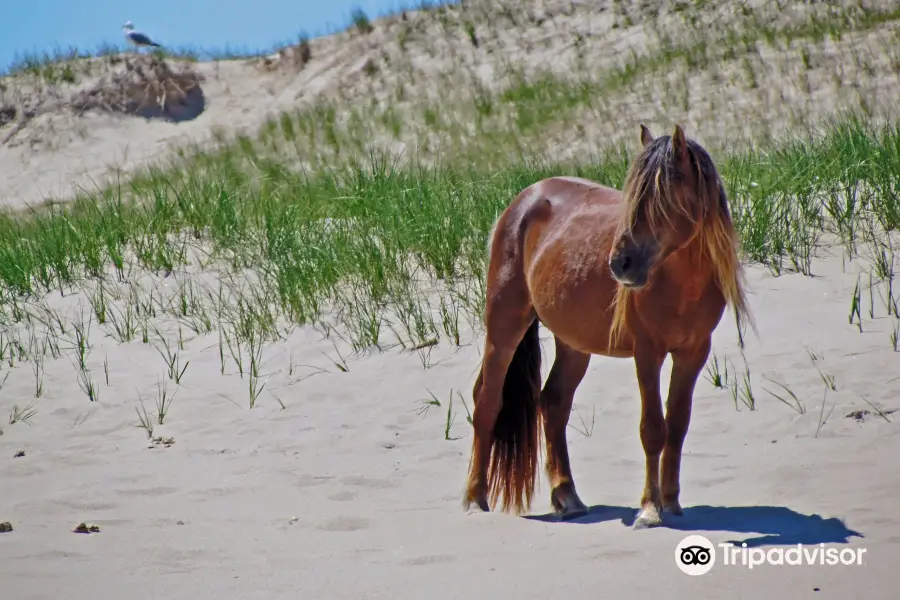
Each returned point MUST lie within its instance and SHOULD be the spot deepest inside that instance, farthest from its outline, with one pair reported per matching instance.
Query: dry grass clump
(16, 110)
(292, 58)
(8, 114)
(146, 86)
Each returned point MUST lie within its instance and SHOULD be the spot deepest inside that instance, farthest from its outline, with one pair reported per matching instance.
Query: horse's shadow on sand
(778, 525)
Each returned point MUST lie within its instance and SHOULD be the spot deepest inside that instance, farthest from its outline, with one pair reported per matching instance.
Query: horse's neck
(679, 307)
(689, 268)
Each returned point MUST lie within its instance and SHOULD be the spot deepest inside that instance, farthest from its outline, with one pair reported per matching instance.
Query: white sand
(348, 493)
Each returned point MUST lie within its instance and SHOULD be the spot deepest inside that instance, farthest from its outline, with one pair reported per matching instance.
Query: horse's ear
(646, 136)
(679, 143)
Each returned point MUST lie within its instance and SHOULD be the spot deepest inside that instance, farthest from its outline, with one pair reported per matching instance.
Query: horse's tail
(514, 455)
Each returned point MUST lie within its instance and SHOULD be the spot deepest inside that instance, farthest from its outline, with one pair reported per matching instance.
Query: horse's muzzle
(630, 267)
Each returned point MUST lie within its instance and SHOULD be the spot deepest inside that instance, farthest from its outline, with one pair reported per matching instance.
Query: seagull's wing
(140, 38)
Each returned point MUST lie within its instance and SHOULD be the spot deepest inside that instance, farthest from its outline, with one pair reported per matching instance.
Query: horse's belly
(579, 315)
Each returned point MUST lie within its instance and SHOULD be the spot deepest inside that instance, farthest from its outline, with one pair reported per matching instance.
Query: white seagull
(136, 38)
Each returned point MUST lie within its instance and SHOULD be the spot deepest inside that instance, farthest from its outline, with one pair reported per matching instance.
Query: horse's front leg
(648, 361)
(686, 367)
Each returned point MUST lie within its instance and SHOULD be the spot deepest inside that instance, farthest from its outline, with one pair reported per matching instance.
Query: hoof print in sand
(862, 415)
(345, 524)
(161, 441)
(5, 527)
(85, 528)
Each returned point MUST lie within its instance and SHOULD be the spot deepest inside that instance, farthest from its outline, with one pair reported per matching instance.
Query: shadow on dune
(773, 525)
(189, 106)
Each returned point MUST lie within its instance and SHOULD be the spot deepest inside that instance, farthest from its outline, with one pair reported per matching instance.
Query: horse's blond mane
(650, 183)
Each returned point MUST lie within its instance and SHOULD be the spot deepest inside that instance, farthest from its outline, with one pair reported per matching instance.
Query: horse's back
(580, 190)
(573, 210)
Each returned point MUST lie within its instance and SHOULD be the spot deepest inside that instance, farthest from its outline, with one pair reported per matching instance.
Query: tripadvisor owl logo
(695, 555)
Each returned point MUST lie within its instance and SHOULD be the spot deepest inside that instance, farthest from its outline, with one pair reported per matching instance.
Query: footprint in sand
(215, 492)
(74, 505)
(305, 481)
(442, 455)
(711, 481)
(607, 555)
(153, 491)
(345, 524)
(344, 496)
(431, 559)
(370, 482)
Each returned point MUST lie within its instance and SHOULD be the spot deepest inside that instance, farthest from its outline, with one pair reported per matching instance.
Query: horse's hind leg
(506, 326)
(569, 368)
(686, 367)
(504, 451)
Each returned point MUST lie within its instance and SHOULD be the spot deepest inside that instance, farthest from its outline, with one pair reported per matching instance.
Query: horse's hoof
(647, 518)
(674, 508)
(574, 512)
(480, 505)
(567, 504)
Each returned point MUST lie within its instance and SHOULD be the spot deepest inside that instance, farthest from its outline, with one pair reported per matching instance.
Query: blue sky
(37, 26)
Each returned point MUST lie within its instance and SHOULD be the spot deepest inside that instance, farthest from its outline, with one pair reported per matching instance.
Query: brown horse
(641, 274)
